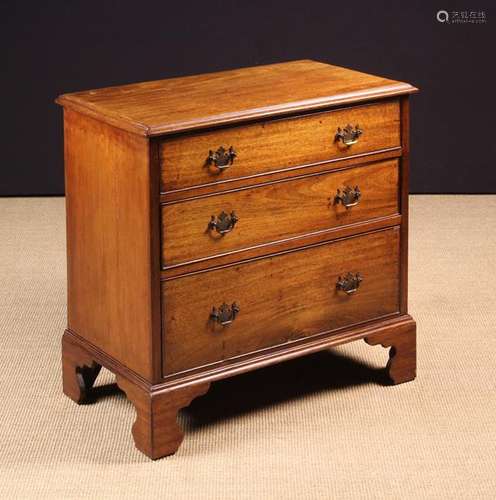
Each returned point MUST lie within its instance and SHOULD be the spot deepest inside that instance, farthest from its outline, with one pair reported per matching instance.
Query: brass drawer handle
(225, 314)
(223, 223)
(222, 158)
(349, 197)
(348, 135)
(350, 283)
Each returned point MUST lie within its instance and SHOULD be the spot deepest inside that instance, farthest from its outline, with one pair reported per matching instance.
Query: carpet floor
(323, 426)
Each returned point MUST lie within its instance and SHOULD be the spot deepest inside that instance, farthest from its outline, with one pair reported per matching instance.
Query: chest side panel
(109, 240)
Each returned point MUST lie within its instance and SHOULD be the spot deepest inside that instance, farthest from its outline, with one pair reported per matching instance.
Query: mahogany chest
(224, 222)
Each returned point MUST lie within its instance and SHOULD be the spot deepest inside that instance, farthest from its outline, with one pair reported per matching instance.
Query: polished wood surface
(282, 298)
(112, 279)
(79, 371)
(160, 436)
(158, 410)
(276, 211)
(353, 160)
(186, 103)
(140, 197)
(244, 363)
(402, 364)
(277, 145)
(183, 269)
(404, 182)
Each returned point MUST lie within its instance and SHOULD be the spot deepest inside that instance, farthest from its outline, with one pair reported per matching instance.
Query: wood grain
(404, 190)
(79, 371)
(280, 174)
(276, 145)
(402, 364)
(112, 279)
(203, 265)
(282, 298)
(140, 196)
(241, 364)
(291, 350)
(275, 211)
(155, 431)
(199, 101)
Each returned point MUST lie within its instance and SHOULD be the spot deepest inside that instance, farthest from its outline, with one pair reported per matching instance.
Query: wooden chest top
(193, 102)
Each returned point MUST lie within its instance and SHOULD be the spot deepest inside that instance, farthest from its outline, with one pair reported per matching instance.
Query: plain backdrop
(56, 47)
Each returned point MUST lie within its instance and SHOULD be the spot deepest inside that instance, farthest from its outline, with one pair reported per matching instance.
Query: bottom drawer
(280, 298)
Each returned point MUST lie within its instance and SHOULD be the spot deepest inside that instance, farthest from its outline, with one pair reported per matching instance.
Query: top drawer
(276, 144)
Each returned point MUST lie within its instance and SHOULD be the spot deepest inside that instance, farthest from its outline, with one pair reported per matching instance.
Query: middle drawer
(215, 225)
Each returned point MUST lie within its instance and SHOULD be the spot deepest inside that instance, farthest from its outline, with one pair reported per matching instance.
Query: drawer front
(275, 211)
(280, 298)
(273, 145)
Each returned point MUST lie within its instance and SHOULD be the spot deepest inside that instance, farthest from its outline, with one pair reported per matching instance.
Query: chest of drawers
(220, 223)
